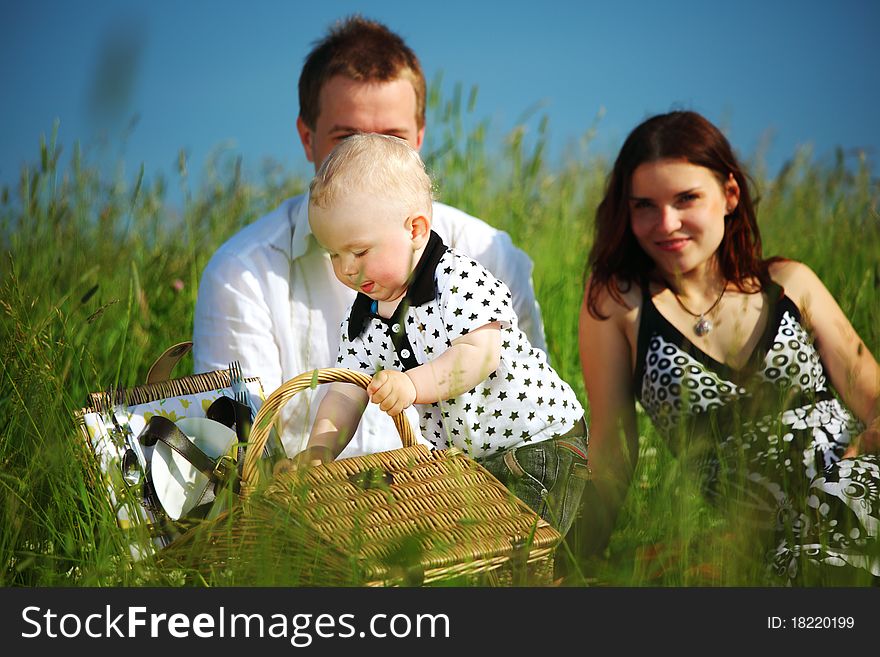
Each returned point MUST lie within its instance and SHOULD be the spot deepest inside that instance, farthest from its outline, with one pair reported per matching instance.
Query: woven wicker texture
(408, 516)
(186, 385)
(250, 476)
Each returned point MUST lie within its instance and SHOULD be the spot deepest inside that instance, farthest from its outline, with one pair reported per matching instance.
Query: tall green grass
(100, 274)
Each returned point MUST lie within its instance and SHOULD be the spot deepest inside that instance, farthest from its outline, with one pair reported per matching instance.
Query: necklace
(703, 326)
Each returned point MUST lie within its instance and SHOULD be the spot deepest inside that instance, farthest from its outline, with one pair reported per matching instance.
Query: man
(268, 297)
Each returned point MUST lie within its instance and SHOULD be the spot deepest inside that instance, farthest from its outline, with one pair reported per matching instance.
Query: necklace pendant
(702, 327)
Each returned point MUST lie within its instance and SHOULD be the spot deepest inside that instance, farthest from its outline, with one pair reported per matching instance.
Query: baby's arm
(338, 416)
(468, 361)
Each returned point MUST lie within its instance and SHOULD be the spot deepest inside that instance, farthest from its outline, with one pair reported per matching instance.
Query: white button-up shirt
(269, 299)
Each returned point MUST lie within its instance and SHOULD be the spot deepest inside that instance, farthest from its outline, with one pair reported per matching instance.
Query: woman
(733, 357)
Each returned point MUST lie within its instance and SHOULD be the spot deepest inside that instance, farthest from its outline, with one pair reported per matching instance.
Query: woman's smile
(673, 245)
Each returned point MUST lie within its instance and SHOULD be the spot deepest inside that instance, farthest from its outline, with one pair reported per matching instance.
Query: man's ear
(419, 227)
(305, 136)
(420, 138)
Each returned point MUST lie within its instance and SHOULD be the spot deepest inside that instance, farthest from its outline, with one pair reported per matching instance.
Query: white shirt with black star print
(523, 401)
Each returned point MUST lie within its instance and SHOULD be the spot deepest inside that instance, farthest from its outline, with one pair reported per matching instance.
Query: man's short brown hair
(362, 50)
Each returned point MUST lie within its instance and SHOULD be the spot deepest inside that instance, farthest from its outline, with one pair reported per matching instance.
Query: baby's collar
(421, 290)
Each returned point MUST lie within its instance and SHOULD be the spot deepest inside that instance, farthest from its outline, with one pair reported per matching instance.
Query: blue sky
(205, 75)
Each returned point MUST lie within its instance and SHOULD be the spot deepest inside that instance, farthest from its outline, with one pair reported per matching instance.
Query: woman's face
(677, 213)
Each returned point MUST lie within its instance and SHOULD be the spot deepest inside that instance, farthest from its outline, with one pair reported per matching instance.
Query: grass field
(99, 275)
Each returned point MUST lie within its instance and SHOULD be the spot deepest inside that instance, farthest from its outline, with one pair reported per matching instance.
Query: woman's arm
(606, 362)
(852, 368)
(468, 361)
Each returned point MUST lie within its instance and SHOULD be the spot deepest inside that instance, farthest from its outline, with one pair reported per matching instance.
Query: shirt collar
(420, 291)
(298, 216)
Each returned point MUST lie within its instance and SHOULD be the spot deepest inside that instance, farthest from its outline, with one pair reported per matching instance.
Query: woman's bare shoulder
(627, 300)
(784, 269)
(796, 278)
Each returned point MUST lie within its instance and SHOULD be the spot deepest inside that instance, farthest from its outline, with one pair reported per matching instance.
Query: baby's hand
(392, 390)
(309, 457)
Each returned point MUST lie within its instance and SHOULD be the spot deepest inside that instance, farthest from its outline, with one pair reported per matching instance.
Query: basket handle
(161, 369)
(250, 474)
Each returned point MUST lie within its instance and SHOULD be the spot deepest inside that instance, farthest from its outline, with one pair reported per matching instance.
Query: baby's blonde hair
(376, 164)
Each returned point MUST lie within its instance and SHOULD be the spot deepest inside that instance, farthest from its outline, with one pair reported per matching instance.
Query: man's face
(348, 107)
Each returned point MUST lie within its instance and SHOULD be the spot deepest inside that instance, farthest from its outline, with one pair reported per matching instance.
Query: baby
(436, 330)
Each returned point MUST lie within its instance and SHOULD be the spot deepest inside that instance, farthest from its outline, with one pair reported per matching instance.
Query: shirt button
(395, 328)
(405, 353)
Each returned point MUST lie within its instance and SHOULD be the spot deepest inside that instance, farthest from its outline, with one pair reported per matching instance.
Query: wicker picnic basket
(410, 516)
(102, 456)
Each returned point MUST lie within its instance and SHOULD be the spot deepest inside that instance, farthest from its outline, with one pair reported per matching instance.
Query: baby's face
(371, 249)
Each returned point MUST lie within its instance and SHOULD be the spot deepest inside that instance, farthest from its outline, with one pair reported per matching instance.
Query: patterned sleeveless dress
(767, 439)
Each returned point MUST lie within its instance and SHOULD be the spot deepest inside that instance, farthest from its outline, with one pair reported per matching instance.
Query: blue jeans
(549, 475)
